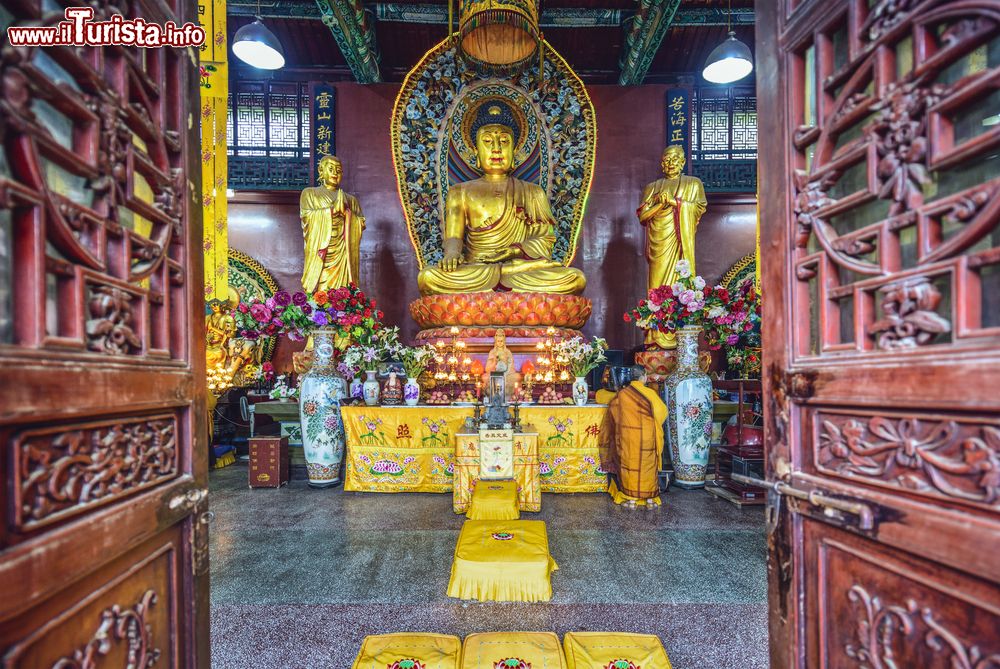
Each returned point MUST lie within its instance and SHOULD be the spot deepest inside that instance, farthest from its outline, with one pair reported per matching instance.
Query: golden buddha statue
(332, 224)
(500, 359)
(498, 230)
(670, 211)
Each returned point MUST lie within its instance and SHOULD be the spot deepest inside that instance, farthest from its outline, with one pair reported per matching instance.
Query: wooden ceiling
(594, 51)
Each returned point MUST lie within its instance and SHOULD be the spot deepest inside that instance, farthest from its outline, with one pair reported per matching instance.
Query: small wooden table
(527, 471)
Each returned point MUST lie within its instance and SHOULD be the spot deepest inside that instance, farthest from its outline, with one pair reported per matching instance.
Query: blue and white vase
(411, 392)
(357, 389)
(689, 412)
(320, 391)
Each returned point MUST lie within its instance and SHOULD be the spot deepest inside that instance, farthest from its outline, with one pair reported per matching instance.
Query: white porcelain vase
(689, 412)
(371, 389)
(357, 389)
(320, 392)
(411, 392)
(580, 391)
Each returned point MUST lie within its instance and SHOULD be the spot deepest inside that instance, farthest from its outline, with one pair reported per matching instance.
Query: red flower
(367, 313)
(380, 314)
(628, 319)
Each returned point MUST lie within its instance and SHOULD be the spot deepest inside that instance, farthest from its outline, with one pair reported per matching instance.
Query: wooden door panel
(130, 613)
(876, 607)
(881, 247)
(102, 411)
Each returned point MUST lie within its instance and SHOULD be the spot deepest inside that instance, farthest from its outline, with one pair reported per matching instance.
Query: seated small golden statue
(498, 230)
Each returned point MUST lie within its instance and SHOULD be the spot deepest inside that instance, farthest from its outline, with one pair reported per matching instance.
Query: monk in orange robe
(632, 443)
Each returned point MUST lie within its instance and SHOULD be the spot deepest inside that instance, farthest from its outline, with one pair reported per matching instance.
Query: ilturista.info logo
(79, 29)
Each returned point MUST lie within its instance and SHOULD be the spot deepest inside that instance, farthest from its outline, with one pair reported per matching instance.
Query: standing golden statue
(498, 230)
(670, 211)
(332, 224)
(220, 326)
(500, 359)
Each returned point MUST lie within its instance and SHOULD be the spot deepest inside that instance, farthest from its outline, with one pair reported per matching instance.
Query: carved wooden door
(103, 549)
(880, 201)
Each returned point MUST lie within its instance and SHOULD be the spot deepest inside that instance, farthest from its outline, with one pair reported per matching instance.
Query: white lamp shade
(255, 45)
(728, 62)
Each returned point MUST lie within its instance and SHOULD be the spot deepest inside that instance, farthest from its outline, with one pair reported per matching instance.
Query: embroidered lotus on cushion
(409, 651)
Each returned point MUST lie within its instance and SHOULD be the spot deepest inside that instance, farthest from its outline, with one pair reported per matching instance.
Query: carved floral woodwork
(65, 472)
(909, 316)
(881, 630)
(110, 328)
(943, 458)
(118, 625)
(884, 16)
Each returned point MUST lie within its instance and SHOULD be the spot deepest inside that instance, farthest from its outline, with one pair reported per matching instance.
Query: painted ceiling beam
(354, 31)
(438, 14)
(643, 38)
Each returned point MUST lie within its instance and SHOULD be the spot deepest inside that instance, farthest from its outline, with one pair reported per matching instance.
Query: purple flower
(277, 322)
(283, 298)
(295, 336)
(306, 309)
(319, 318)
(299, 298)
(270, 303)
(732, 339)
(260, 312)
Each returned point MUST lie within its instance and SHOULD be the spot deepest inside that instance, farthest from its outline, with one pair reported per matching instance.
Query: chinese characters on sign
(323, 97)
(679, 119)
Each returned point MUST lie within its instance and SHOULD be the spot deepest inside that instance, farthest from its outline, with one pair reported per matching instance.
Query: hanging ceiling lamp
(730, 61)
(255, 45)
(499, 37)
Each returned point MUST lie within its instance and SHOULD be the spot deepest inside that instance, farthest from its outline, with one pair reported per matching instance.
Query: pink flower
(260, 312)
(686, 296)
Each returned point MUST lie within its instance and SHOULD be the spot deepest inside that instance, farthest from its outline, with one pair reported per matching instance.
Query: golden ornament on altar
(670, 211)
(332, 223)
(499, 230)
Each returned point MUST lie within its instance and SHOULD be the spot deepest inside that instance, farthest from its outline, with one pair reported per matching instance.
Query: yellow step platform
(502, 561)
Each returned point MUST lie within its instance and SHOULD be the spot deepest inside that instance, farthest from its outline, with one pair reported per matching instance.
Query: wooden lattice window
(724, 138)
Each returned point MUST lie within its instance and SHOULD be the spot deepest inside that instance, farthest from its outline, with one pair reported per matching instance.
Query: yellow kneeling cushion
(409, 651)
(513, 650)
(614, 650)
(494, 500)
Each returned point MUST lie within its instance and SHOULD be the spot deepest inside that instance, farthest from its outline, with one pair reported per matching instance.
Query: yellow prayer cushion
(502, 561)
(513, 650)
(409, 651)
(494, 500)
(614, 650)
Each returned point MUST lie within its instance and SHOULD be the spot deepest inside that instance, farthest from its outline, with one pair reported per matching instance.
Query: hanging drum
(499, 37)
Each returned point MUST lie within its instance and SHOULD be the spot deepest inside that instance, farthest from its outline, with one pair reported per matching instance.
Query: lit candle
(440, 344)
(460, 344)
(454, 329)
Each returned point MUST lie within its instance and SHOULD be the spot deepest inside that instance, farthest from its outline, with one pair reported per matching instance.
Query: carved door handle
(188, 500)
(830, 505)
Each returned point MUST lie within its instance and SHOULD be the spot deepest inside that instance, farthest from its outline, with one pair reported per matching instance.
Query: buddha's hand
(450, 262)
(502, 255)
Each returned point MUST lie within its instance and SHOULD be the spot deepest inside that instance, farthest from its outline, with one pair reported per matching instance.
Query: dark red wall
(631, 136)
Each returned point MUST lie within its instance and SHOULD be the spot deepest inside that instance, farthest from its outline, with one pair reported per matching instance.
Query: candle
(454, 329)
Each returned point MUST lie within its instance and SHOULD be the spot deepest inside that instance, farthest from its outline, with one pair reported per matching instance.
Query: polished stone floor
(300, 576)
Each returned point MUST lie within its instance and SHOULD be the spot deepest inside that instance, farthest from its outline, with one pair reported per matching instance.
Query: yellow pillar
(214, 165)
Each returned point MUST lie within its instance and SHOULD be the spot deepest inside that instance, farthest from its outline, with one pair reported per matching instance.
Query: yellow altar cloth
(502, 561)
(526, 479)
(405, 650)
(494, 500)
(537, 650)
(615, 650)
(412, 449)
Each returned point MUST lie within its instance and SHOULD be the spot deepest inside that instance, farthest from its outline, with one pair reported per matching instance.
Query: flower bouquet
(347, 310)
(283, 390)
(372, 347)
(690, 302)
(415, 359)
(581, 356)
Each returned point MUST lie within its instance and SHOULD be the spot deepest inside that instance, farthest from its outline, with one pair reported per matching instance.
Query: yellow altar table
(412, 449)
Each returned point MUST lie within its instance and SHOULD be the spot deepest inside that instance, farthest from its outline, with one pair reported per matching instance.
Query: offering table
(412, 449)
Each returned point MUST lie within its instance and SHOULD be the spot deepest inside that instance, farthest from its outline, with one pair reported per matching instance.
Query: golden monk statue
(332, 224)
(670, 211)
(220, 326)
(500, 359)
(498, 230)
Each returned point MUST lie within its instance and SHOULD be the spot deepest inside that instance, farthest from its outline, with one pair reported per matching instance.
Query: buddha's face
(673, 161)
(495, 149)
(330, 173)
